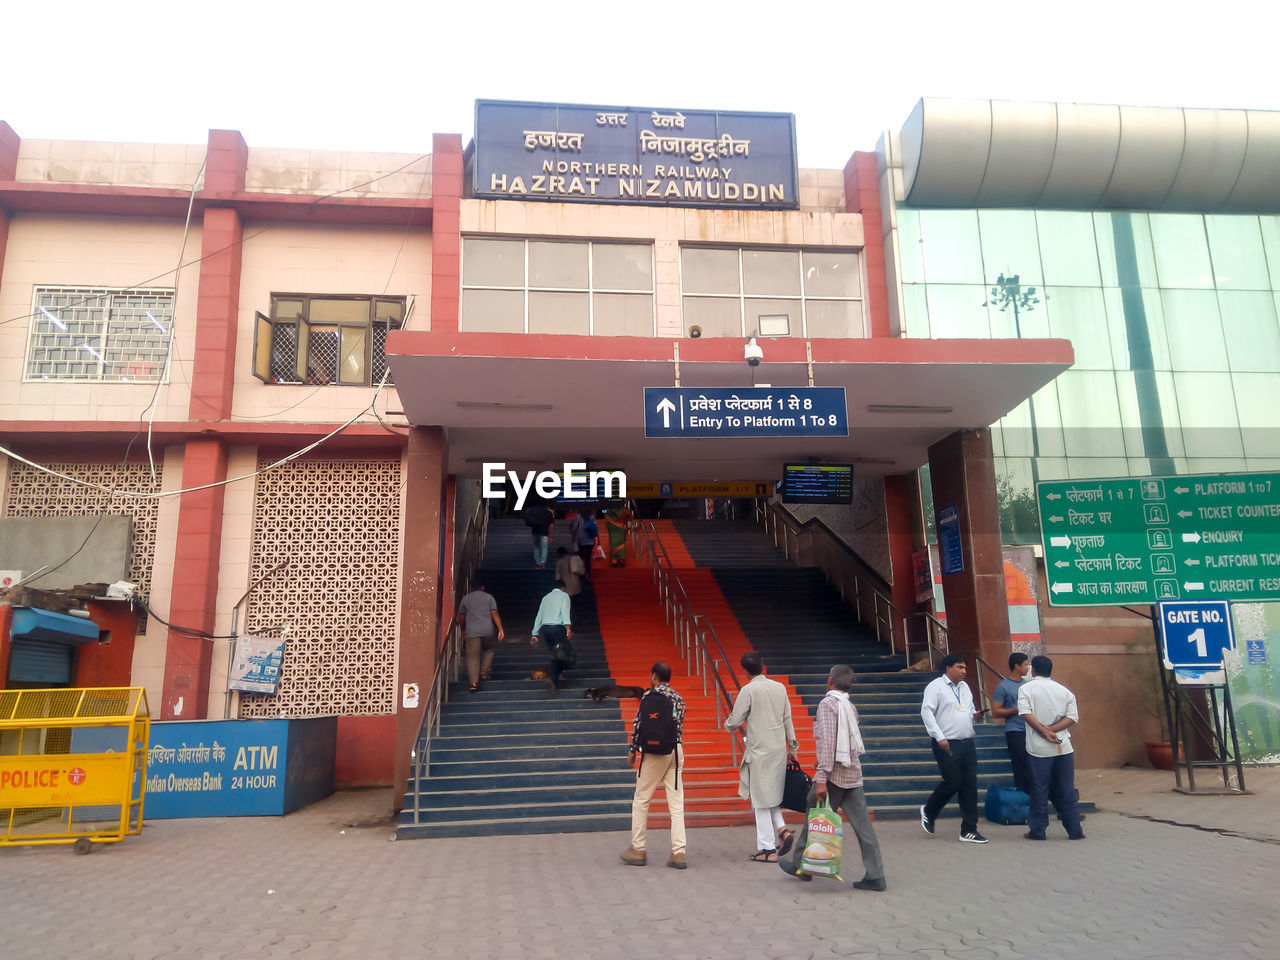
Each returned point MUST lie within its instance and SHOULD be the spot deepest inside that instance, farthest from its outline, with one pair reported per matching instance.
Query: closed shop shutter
(39, 662)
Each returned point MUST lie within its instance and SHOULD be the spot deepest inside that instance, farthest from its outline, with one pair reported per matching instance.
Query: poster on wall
(256, 665)
(922, 574)
(1254, 681)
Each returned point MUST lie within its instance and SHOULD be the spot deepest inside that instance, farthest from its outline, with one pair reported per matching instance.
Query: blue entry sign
(949, 547)
(1195, 633)
(745, 412)
(593, 154)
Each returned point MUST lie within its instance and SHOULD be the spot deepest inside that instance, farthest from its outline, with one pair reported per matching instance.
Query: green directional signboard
(1147, 539)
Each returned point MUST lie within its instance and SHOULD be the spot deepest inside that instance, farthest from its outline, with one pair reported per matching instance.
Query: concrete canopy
(539, 401)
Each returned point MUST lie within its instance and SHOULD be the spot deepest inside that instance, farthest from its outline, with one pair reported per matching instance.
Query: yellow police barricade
(72, 765)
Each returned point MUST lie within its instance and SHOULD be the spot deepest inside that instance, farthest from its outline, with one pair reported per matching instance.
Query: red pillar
(446, 243)
(420, 591)
(862, 195)
(199, 542)
(899, 506)
(962, 473)
(195, 583)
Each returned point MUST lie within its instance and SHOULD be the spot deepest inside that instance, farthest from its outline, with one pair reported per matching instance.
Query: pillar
(420, 590)
(962, 471)
(446, 243)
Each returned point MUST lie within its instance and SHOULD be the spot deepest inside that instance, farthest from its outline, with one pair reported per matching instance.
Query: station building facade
(521, 327)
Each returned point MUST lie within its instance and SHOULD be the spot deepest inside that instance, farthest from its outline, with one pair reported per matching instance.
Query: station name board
(691, 158)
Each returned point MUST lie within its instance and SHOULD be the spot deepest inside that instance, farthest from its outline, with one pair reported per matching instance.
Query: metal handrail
(690, 628)
(867, 585)
(449, 649)
(936, 634)
(987, 702)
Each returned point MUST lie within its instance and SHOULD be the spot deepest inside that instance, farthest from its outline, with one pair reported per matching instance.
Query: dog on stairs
(600, 694)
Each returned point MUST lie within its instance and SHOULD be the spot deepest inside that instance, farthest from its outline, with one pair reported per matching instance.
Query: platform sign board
(745, 412)
(949, 547)
(1148, 539)
(665, 157)
(1195, 633)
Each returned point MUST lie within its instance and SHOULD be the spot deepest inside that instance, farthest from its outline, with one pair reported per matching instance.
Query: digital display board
(817, 483)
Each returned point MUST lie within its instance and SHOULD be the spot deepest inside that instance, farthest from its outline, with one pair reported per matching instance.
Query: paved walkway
(325, 882)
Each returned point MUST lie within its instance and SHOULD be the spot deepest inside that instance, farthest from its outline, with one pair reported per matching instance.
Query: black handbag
(796, 786)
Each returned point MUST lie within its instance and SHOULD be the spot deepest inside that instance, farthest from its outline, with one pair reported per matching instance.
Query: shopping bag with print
(821, 856)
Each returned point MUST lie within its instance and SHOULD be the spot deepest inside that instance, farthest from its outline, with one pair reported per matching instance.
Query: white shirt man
(1049, 709)
(948, 715)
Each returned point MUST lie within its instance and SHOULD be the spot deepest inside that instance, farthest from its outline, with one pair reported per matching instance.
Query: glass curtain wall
(1173, 318)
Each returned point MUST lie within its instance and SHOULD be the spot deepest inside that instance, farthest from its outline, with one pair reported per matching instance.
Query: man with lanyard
(948, 715)
(554, 626)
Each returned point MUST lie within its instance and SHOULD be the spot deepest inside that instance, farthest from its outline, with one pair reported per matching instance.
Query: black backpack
(532, 515)
(657, 733)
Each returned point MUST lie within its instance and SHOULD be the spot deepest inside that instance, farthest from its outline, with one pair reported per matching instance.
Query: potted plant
(1151, 697)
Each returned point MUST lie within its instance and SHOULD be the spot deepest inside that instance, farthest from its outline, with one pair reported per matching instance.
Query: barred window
(88, 333)
(325, 339)
(738, 292)
(557, 286)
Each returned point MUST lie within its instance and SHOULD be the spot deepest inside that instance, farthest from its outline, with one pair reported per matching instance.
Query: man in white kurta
(765, 709)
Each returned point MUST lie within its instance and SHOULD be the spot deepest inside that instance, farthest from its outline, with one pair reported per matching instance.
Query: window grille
(320, 339)
(99, 334)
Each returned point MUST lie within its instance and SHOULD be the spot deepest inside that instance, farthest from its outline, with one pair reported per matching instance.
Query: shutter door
(34, 661)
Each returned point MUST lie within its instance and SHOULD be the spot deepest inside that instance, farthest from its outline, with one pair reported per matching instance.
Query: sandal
(785, 839)
(473, 688)
(764, 856)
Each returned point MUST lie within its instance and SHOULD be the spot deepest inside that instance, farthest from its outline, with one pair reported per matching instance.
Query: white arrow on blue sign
(1195, 633)
(745, 412)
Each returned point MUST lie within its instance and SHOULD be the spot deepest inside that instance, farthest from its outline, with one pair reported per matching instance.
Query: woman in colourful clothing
(619, 524)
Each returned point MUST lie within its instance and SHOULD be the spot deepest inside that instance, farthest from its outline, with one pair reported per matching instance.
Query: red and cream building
(178, 319)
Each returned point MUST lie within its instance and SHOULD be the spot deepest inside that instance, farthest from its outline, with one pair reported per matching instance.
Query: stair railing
(936, 635)
(986, 701)
(857, 582)
(449, 650)
(690, 629)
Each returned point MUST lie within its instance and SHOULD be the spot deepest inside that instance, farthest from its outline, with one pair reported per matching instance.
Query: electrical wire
(206, 486)
(150, 408)
(243, 240)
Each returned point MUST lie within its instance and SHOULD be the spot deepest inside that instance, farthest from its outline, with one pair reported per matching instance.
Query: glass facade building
(1173, 317)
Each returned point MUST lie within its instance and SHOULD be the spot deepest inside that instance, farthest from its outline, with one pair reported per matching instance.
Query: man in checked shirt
(657, 753)
(839, 776)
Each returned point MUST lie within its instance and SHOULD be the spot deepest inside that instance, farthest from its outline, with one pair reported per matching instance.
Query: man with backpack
(586, 534)
(658, 756)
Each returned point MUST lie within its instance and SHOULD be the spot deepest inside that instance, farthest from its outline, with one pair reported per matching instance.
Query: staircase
(512, 759)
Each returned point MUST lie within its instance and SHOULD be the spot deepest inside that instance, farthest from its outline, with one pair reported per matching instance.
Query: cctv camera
(752, 353)
(695, 331)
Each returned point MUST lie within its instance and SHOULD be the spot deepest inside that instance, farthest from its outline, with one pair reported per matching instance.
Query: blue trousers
(1053, 776)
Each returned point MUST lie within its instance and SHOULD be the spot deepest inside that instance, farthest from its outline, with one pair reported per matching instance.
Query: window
(557, 286)
(312, 338)
(80, 333)
(727, 291)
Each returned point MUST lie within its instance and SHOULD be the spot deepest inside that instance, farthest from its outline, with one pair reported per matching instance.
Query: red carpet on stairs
(636, 636)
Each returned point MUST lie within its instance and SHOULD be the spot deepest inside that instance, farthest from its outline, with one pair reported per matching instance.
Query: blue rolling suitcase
(1006, 805)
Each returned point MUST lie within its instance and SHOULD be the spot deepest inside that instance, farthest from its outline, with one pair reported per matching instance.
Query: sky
(385, 76)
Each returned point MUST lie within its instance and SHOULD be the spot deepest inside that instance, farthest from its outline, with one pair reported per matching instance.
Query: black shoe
(926, 821)
(866, 884)
(973, 836)
(1032, 836)
(1079, 836)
